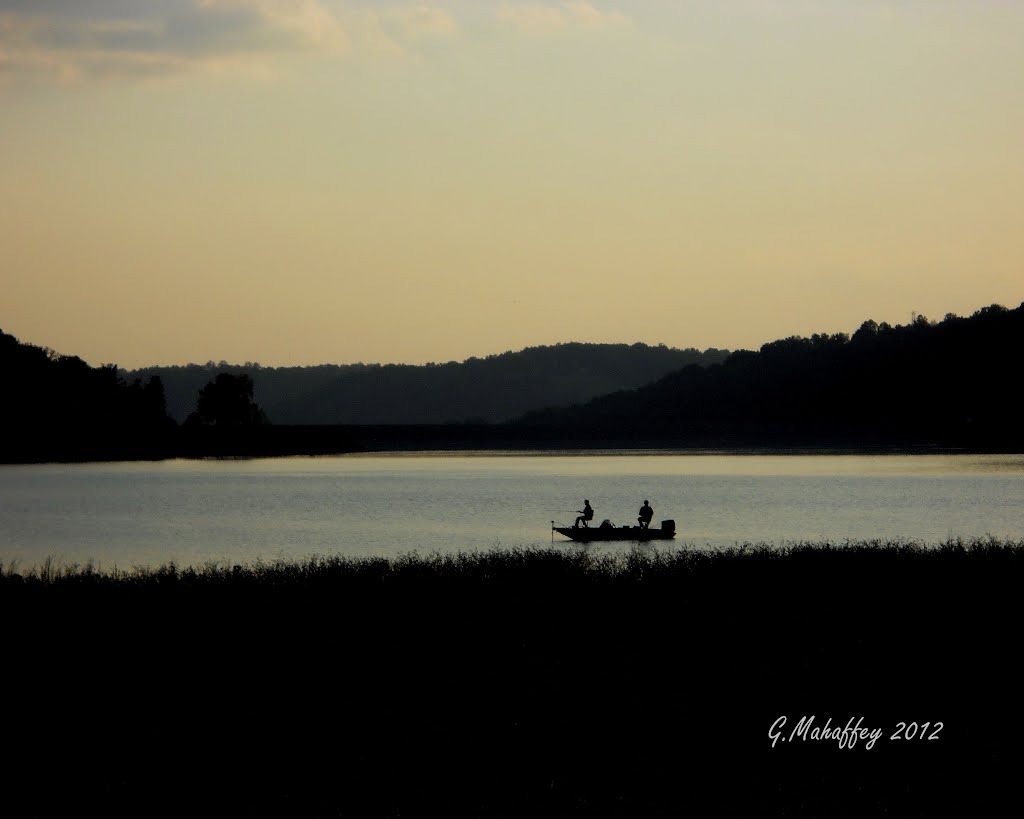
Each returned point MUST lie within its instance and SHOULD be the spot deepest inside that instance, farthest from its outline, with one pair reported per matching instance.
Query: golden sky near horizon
(310, 181)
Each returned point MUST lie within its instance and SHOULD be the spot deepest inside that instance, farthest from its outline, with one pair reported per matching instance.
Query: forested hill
(58, 407)
(491, 389)
(957, 382)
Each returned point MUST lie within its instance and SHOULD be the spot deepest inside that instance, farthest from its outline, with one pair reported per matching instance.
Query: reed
(561, 681)
(568, 563)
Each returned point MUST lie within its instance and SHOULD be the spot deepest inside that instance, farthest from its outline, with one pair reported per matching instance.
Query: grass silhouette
(513, 682)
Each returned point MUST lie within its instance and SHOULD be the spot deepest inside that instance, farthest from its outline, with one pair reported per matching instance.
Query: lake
(229, 511)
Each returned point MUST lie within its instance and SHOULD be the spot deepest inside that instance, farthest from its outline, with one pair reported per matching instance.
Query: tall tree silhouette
(228, 401)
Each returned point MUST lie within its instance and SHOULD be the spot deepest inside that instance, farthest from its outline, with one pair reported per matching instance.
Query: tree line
(955, 382)
(58, 407)
(951, 383)
(492, 389)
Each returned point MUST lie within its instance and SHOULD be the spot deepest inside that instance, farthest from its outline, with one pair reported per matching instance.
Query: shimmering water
(127, 514)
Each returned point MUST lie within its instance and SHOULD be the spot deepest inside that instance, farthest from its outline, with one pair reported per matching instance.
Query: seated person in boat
(587, 514)
(606, 524)
(646, 515)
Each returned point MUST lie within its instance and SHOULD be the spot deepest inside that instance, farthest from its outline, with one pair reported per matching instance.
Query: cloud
(585, 14)
(310, 22)
(420, 21)
(533, 17)
(385, 29)
(542, 18)
(69, 41)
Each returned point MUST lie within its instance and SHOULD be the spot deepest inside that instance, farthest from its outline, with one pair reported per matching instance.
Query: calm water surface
(128, 514)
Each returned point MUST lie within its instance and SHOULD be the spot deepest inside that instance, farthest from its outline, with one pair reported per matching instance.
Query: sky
(331, 181)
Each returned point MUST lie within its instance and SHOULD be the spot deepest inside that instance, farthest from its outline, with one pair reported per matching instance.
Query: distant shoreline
(452, 439)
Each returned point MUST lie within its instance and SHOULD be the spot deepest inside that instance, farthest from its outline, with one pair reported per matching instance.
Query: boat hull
(588, 534)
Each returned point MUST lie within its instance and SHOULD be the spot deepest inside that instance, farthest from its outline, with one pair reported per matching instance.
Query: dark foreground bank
(522, 683)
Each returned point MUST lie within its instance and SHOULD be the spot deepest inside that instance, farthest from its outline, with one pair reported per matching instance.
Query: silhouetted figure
(606, 524)
(587, 514)
(646, 515)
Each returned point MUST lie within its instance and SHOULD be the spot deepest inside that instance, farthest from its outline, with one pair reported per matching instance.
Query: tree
(227, 401)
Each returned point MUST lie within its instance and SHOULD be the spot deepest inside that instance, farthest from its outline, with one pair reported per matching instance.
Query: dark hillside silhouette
(482, 390)
(955, 383)
(270, 384)
(58, 407)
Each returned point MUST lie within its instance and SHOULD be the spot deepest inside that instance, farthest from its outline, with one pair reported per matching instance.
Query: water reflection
(194, 511)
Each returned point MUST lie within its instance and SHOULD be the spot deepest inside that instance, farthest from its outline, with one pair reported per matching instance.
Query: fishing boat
(606, 531)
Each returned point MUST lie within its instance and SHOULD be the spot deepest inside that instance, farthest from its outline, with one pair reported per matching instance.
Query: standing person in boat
(646, 515)
(587, 514)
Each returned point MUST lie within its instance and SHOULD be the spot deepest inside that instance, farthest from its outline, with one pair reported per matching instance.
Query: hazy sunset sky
(309, 181)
